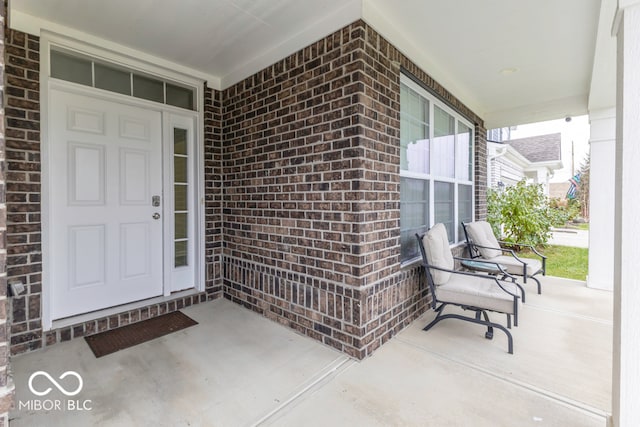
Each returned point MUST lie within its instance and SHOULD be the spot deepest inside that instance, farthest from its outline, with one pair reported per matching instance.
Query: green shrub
(563, 211)
(521, 212)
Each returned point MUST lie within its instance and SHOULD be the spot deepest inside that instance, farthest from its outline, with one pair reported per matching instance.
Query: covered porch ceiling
(511, 62)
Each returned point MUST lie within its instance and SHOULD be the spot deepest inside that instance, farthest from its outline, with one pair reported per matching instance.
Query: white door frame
(46, 84)
(175, 278)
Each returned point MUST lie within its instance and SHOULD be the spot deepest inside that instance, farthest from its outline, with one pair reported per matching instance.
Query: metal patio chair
(479, 293)
(482, 243)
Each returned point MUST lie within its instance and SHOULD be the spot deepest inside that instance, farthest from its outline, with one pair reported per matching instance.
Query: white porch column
(626, 322)
(601, 198)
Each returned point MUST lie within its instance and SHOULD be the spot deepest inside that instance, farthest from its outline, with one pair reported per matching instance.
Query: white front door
(105, 177)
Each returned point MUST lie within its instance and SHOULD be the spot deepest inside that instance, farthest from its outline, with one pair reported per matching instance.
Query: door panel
(134, 260)
(83, 120)
(86, 256)
(85, 174)
(105, 167)
(134, 177)
(134, 128)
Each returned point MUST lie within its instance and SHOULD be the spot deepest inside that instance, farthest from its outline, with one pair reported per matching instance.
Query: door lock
(156, 215)
(155, 201)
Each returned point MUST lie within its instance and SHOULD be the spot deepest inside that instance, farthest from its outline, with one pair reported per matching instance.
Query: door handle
(156, 215)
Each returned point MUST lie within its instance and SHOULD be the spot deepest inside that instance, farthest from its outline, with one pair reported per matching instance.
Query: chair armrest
(465, 273)
(535, 251)
(498, 266)
(531, 247)
(511, 251)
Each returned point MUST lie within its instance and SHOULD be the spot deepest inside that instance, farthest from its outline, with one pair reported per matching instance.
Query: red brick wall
(301, 194)
(311, 207)
(24, 251)
(6, 384)
(213, 191)
(299, 182)
(480, 173)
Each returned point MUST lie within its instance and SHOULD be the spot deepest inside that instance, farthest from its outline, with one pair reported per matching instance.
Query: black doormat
(127, 336)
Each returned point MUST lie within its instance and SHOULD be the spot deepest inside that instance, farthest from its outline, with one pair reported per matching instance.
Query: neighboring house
(558, 190)
(534, 159)
(499, 134)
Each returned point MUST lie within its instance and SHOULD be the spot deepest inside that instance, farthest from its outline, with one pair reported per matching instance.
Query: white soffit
(73, 38)
(226, 40)
(512, 62)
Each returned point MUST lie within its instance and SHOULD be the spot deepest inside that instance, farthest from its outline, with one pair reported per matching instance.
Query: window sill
(410, 263)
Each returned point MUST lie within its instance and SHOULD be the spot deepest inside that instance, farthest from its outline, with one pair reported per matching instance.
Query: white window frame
(430, 177)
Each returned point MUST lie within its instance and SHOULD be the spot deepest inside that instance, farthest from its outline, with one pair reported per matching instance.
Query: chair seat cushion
(513, 266)
(478, 292)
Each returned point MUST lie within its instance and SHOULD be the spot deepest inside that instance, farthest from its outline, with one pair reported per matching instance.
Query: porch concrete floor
(236, 368)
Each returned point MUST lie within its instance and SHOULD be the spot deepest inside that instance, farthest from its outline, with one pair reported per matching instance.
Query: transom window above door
(89, 72)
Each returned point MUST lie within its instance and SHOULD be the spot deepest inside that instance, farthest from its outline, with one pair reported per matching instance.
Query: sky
(577, 130)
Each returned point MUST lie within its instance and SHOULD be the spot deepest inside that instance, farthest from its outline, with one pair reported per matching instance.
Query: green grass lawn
(563, 261)
(578, 226)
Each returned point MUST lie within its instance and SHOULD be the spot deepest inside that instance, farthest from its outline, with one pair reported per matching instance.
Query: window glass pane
(147, 88)
(179, 141)
(444, 206)
(86, 71)
(463, 153)
(415, 148)
(180, 254)
(465, 207)
(112, 79)
(414, 214)
(180, 197)
(180, 169)
(179, 96)
(180, 225)
(71, 68)
(414, 131)
(443, 144)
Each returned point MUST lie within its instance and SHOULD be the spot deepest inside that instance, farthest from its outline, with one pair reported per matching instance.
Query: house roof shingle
(538, 149)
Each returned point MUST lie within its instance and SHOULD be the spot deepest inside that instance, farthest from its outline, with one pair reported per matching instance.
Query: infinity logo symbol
(55, 383)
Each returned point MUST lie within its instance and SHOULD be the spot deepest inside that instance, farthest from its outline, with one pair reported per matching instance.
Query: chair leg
(522, 292)
(486, 322)
(539, 286)
(489, 334)
(437, 319)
